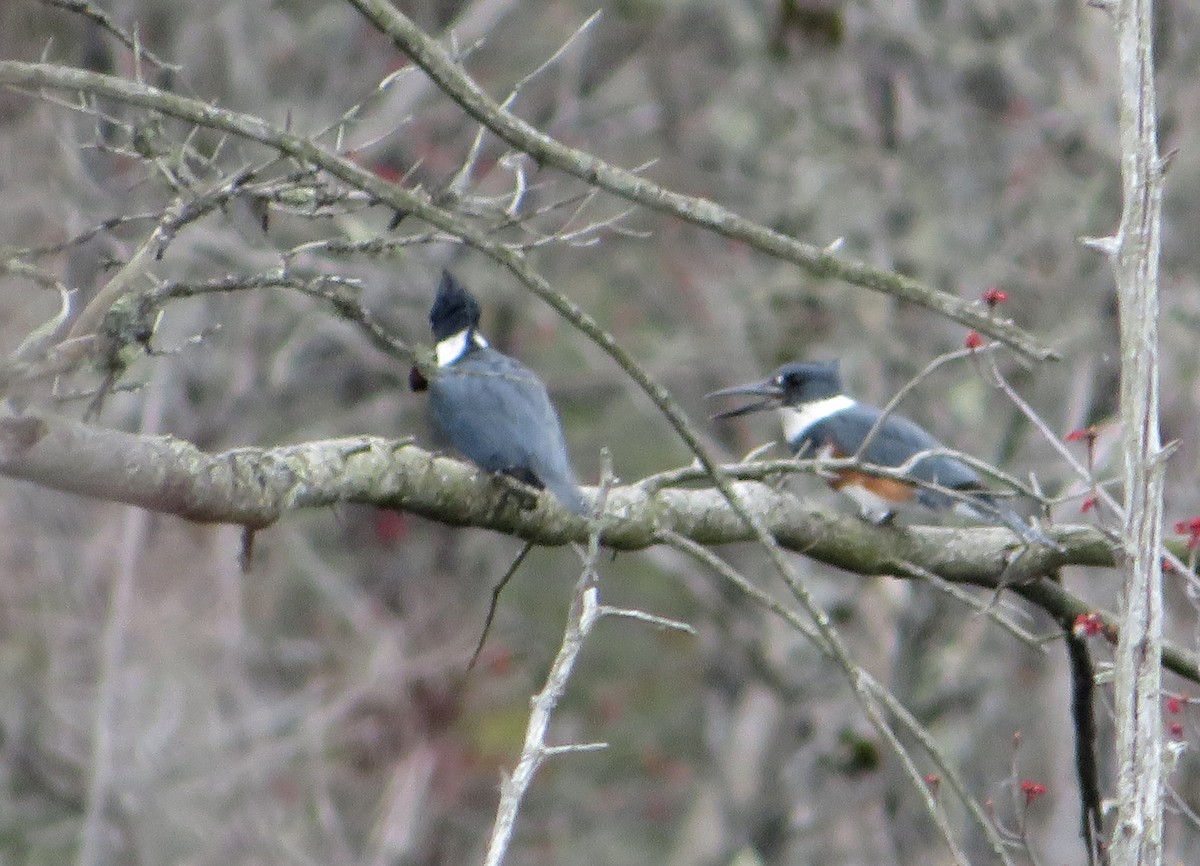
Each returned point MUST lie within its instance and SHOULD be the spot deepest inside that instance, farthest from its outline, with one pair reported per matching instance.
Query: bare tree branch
(257, 486)
(105, 22)
(905, 719)
(585, 611)
(817, 261)
(1138, 834)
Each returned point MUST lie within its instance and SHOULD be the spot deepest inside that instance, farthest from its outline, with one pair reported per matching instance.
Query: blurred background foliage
(315, 709)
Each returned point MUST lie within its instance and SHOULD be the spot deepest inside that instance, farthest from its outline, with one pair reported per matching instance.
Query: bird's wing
(496, 411)
(893, 444)
(485, 406)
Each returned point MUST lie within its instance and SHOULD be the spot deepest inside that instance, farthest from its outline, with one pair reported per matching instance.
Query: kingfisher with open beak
(821, 421)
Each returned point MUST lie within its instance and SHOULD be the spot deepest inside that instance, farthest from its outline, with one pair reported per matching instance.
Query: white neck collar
(456, 345)
(797, 420)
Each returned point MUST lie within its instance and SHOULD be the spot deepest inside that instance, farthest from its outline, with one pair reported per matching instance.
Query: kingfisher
(491, 407)
(821, 421)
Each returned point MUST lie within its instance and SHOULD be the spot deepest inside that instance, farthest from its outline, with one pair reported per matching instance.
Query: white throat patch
(798, 419)
(455, 346)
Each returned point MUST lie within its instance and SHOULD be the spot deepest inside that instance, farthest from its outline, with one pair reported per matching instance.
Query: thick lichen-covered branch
(255, 487)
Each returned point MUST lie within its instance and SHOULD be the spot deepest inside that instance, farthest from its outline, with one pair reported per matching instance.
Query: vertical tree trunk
(1137, 837)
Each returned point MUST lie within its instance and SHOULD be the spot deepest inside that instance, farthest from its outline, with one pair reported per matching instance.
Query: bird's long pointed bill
(768, 391)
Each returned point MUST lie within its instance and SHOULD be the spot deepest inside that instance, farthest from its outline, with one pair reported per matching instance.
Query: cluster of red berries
(1175, 706)
(1190, 528)
(1088, 624)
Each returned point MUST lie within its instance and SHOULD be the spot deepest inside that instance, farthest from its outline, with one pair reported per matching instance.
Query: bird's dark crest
(453, 309)
(810, 380)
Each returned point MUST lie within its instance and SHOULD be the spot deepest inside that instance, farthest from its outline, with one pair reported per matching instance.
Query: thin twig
(910, 723)
(105, 22)
(649, 618)
(912, 383)
(340, 292)
(758, 470)
(988, 609)
(496, 590)
(462, 179)
(585, 611)
(1099, 489)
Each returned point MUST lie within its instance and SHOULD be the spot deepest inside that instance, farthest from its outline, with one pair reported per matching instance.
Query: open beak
(767, 390)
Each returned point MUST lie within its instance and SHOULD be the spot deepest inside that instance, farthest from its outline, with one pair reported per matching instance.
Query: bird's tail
(554, 472)
(561, 484)
(568, 493)
(992, 510)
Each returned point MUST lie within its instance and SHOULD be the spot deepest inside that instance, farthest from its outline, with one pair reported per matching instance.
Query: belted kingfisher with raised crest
(493, 408)
(821, 421)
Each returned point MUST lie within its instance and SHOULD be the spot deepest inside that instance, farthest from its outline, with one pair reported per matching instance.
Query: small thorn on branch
(1108, 245)
(573, 748)
(650, 618)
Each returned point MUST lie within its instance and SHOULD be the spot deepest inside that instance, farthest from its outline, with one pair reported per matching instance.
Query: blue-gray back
(496, 411)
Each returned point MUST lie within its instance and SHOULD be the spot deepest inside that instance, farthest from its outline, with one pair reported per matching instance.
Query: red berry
(973, 340)
(994, 296)
(1088, 624)
(390, 527)
(1032, 790)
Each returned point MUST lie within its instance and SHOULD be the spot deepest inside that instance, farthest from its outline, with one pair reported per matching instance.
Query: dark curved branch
(257, 486)
(1087, 771)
